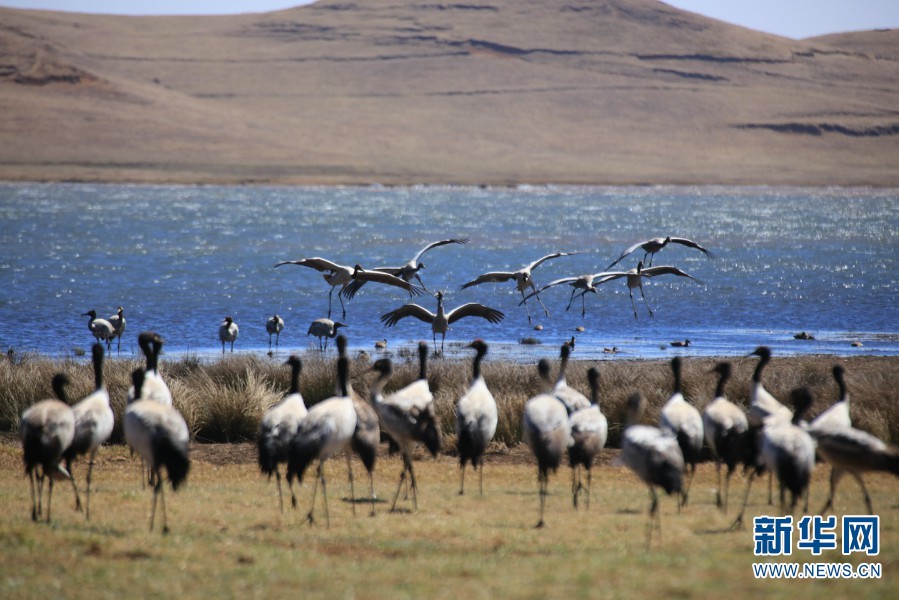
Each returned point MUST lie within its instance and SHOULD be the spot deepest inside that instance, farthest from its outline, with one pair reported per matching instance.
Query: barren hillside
(485, 91)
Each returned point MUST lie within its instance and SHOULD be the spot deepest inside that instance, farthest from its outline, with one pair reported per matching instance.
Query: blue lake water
(180, 258)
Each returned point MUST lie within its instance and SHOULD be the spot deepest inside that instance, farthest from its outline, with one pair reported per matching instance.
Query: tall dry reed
(223, 400)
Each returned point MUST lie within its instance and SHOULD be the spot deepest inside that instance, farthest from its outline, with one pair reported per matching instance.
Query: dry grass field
(492, 92)
(229, 539)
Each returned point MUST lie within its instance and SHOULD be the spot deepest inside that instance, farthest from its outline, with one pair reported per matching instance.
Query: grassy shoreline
(222, 401)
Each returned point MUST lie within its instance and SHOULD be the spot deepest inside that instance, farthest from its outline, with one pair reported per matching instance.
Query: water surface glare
(180, 258)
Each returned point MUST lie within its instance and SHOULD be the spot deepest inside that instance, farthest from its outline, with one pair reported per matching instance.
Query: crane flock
(557, 420)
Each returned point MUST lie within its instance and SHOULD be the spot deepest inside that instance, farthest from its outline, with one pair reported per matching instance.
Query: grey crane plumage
(324, 329)
(408, 416)
(724, 425)
(94, 421)
(159, 434)
(228, 332)
(580, 283)
(635, 277)
(118, 325)
(342, 275)
(101, 329)
(684, 422)
(476, 419)
(325, 431)
(522, 278)
(589, 431)
(651, 246)
(656, 458)
(274, 326)
(366, 436)
(277, 427)
(441, 320)
(407, 272)
(547, 432)
(46, 430)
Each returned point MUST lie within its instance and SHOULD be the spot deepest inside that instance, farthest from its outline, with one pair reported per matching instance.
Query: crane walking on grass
(684, 422)
(94, 421)
(589, 431)
(408, 416)
(46, 430)
(724, 425)
(325, 431)
(276, 429)
(655, 456)
(476, 419)
(159, 434)
(547, 432)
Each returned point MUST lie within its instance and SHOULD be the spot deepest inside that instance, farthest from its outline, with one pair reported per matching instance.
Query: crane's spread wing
(692, 244)
(496, 276)
(349, 292)
(473, 309)
(436, 244)
(540, 261)
(626, 252)
(386, 278)
(319, 264)
(605, 276)
(666, 270)
(549, 285)
(407, 310)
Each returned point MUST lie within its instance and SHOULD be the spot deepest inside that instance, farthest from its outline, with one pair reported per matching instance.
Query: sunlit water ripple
(180, 258)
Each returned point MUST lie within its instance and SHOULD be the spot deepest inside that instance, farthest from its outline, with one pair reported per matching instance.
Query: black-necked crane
(651, 246)
(853, 451)
(589, 430)
(547, 432)
(101, 329)
(324, 329)
(788, 450)
(837, 415)
(94, 421)
(724, 425)
(408, 271)
(635, 278)
(684, 422)
(656, 458)
(274, 326)
(578, 283)
(46, 430)
(278, 425)
(153, 387)
(342, 275)
(326, 431)
(763, 405)
(118, 325)
(159, 434)
(366, 436)
(441, 321)
(228, 332)
(408, 416)
(476, 419)
(522, 278)
(567, 395)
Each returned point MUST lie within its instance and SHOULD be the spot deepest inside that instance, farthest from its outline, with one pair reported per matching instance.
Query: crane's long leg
(583, 305)
(861, 483)
(90, 470)
(631, 294)
(645, 301)
(542, 485)
(321, 475)
(398, 486)
(528, 310)
(280, 496)
(74, 486)
(330, 295)
(49, 496)
(462, 480)
(570, 300)
(349, 467)
(537, 296)
(34, 509)
(414, 483)
(738, 522)
(653, 512)
(309, 516)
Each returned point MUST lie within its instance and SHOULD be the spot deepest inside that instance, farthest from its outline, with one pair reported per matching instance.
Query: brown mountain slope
(481, 91)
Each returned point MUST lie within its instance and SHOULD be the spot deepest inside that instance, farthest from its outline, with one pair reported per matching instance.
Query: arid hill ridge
(477, 92)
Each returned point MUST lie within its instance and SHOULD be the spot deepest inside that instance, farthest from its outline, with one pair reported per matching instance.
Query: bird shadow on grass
(362, 500)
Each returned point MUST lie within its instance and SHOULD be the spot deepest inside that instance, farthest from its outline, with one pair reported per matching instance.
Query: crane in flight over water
(635, 280)
(407, 272)
(342, 275)
(651, 246)
(522, 278)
